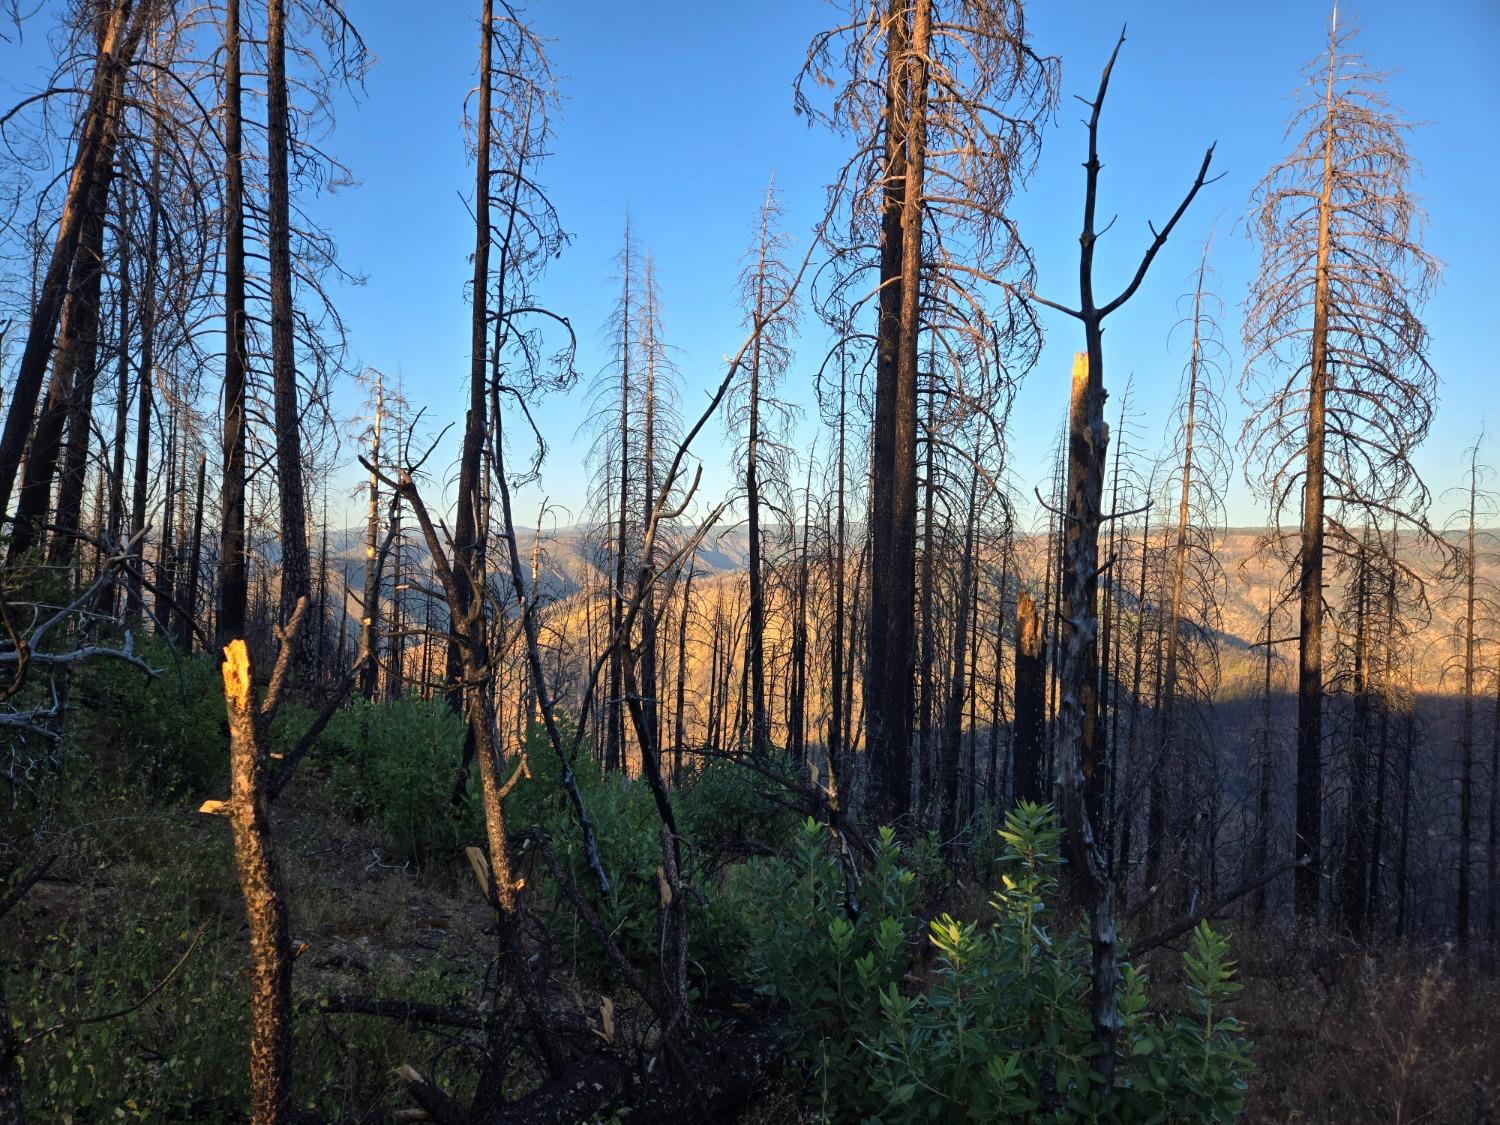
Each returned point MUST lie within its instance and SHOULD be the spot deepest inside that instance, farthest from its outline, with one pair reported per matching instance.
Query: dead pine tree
(754, 410)
(1340, 389)
(75, 357)
(1265, 749)
(1200, 473)
(1492, 846)
(612, 453)
(232, 580)
(1078, 711)
(659, 425)
(296, 563)
(1476, 597)
(1031, 705)
(369, 614)
(1395, 627)
(946, 104)
(123, 28)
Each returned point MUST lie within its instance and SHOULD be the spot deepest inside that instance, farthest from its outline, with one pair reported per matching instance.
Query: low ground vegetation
(915, 984)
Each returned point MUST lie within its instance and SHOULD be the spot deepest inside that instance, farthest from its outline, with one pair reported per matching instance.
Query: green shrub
(1000, 1028)
(723, 803)
(395, 763)
(165, 734)
(627, 830)
(715, 806)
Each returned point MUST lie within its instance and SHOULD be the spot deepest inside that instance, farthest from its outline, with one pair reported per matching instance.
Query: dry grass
(1404, 1034)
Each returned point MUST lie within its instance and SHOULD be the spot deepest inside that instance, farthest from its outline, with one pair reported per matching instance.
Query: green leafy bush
(395, 763)
(716, 808)
(165, 734)
(996, 1026)
(627, 831)
(722, 804)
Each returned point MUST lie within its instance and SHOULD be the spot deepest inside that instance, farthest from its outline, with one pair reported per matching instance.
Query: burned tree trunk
(953, 715)
(1077, 718)
(73, 366)
(890, 656)
(369, 623)
(1031, 704)
(233, 580)
(296, 565)
(99, 131)
(1466, 732)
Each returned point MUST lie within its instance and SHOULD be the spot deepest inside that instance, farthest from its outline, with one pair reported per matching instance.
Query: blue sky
(678, 111)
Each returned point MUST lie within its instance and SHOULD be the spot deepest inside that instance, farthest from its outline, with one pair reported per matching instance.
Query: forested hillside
(820, 724)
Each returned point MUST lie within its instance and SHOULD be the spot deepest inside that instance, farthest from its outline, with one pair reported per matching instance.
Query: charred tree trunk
(62, 546)
(1466, 734)
(1167, 741)
(796, 740)
(233, 579)
(1155, 820)
(70, 390)
(1031, 704)
(1355, 875)
(679, 732)
(891, 652)
(115, 523)
(188, 587)
(1492, 849)
(926, 764)
(1263, 783)
(1078, 717)
(838, 700)
(755, 639)
(166, 552)
(650, 725)
(614, 747)
(1310, 572)
(141, 486)
(953, 714)
(98, 133)
(1403, 831)
(994, 788)
(296, 566)
(369, 624)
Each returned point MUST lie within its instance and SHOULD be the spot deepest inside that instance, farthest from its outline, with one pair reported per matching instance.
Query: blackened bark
(889, 652)
(233, 565)
(1031, 704)
(296, 566)
(123, 29)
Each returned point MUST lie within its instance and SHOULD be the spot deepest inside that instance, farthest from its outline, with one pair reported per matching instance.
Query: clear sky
(679, 110)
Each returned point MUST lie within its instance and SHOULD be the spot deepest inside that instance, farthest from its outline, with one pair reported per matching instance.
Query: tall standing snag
(1341, 389)
(1078, 703)
(233, 565)
(296, 563)
(1476, 594)
(947, 103)
(123, 30)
